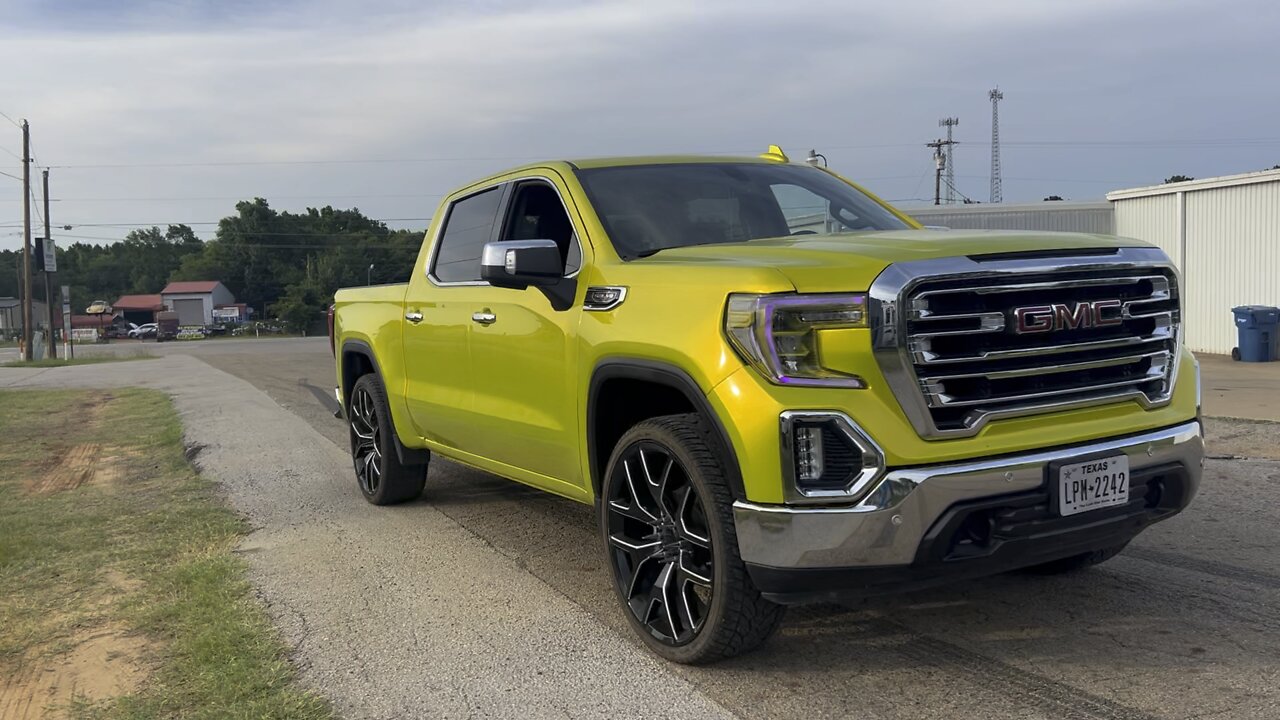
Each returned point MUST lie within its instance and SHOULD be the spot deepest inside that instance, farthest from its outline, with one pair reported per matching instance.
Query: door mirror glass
(519, 264)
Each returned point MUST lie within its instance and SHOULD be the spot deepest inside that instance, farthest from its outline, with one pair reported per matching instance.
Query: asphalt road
(1184, 624)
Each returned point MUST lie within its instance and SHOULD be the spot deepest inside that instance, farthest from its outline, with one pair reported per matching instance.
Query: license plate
(1093, 484)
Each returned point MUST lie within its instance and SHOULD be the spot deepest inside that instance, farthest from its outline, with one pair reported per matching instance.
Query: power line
(15, 177)
(1080, 144)
(6, 117)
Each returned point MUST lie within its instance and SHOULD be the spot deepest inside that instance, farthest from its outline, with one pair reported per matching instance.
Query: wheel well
(354, 365)
(619, 404)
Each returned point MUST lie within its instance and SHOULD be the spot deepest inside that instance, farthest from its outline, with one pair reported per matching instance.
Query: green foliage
(1177, 179)
(288, 263)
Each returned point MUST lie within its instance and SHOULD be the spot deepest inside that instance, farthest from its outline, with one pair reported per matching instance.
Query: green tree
(1177, 179)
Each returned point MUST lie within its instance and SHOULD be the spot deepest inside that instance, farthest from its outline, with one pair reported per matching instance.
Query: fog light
(826, 456)
(809, 453)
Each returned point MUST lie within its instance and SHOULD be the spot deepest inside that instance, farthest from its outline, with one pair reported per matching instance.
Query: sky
(169, 111)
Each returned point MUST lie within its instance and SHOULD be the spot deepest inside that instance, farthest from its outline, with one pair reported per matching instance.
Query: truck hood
(851, 261)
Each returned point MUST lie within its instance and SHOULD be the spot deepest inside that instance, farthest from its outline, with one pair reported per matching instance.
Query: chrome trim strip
(896, 353)
(1048, 284)
(1059, 368)
(872, 455)
(1163, 333)
(886, 526)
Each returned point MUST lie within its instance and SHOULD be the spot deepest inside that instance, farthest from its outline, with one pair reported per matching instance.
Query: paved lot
(485, 596)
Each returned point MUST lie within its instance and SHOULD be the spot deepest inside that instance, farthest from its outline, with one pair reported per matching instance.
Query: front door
(523, 351)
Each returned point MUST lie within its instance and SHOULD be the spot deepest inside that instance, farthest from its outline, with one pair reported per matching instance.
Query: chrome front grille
(964, 340)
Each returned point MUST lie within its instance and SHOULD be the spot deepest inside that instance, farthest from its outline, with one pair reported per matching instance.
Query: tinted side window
(467, 228)
(538, 214)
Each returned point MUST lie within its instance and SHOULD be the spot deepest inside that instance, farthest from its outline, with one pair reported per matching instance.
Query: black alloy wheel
(660, 543)
(383, 478)
(366, 441)
(666, 516)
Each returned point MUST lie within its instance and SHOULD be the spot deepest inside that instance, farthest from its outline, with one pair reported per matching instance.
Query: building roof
(1212, 183)
(190, 286)
(139, 302)
(92, 321)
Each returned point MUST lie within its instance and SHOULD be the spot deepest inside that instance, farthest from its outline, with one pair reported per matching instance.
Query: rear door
(438, 306)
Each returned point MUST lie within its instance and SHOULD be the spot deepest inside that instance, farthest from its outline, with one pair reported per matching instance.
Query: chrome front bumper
(887, 527)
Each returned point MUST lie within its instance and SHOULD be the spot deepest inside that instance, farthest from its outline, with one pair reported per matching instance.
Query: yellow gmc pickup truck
(774, 387)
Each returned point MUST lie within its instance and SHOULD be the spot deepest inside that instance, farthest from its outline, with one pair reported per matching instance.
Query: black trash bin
(1259, 339)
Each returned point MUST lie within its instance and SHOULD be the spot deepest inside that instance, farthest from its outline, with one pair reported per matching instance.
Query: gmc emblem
(1059, 316)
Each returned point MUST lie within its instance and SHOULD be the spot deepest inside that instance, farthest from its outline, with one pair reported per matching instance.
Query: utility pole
(48, 279)
(997, 194)
(26, 242)
(940, 164)
(950, 123)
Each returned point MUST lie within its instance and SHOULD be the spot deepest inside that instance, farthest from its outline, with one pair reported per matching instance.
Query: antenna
(950, 123)
(996, 96)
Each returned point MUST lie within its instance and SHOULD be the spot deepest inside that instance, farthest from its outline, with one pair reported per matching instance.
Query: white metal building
(1223, 233)
(194, 301)
(1089, 217)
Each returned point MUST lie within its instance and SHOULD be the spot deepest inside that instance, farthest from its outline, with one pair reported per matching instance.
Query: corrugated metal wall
(1153, 219)
(1232, 246)
(1051, 216)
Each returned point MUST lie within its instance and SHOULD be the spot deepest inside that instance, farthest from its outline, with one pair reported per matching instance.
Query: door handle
(484, 317)
(413, 317)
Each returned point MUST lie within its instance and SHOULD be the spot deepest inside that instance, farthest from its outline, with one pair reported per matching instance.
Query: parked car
(143, 331)
(774, 387)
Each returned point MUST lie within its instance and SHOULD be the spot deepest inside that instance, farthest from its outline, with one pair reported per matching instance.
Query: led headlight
(777, 334)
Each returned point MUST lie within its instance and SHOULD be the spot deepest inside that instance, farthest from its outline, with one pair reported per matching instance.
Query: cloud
(486, 85)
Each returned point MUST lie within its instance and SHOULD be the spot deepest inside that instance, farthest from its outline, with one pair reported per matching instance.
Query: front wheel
(667, 520)
(383, 479)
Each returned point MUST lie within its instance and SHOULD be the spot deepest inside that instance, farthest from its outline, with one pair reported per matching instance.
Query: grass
(143, 544)
(86, 360)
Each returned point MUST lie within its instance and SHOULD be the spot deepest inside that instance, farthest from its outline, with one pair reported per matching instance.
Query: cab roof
(632, 160)
(592, 163)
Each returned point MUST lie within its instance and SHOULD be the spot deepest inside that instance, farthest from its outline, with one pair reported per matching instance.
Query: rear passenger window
(467, 227)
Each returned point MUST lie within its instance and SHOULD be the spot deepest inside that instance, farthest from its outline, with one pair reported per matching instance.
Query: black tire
(1076, 563)
(679, 528)
(382, 478)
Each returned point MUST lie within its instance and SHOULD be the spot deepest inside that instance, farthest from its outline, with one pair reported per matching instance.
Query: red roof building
(147, 303)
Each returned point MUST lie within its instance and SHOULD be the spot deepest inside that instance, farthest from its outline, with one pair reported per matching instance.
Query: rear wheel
(666, 516)
(383, 479)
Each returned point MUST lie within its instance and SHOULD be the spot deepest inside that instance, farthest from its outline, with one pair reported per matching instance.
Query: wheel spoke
(694, 576)
(660, 594)
(635, 497)
(657, 481)
(685, 609)
(682, 521)
(637, 568)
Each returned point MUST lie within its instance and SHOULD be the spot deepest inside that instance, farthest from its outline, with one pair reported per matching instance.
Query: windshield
(647, 208)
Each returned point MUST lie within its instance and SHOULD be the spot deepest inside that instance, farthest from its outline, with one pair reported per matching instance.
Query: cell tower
(996, 96)
(950, 123)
